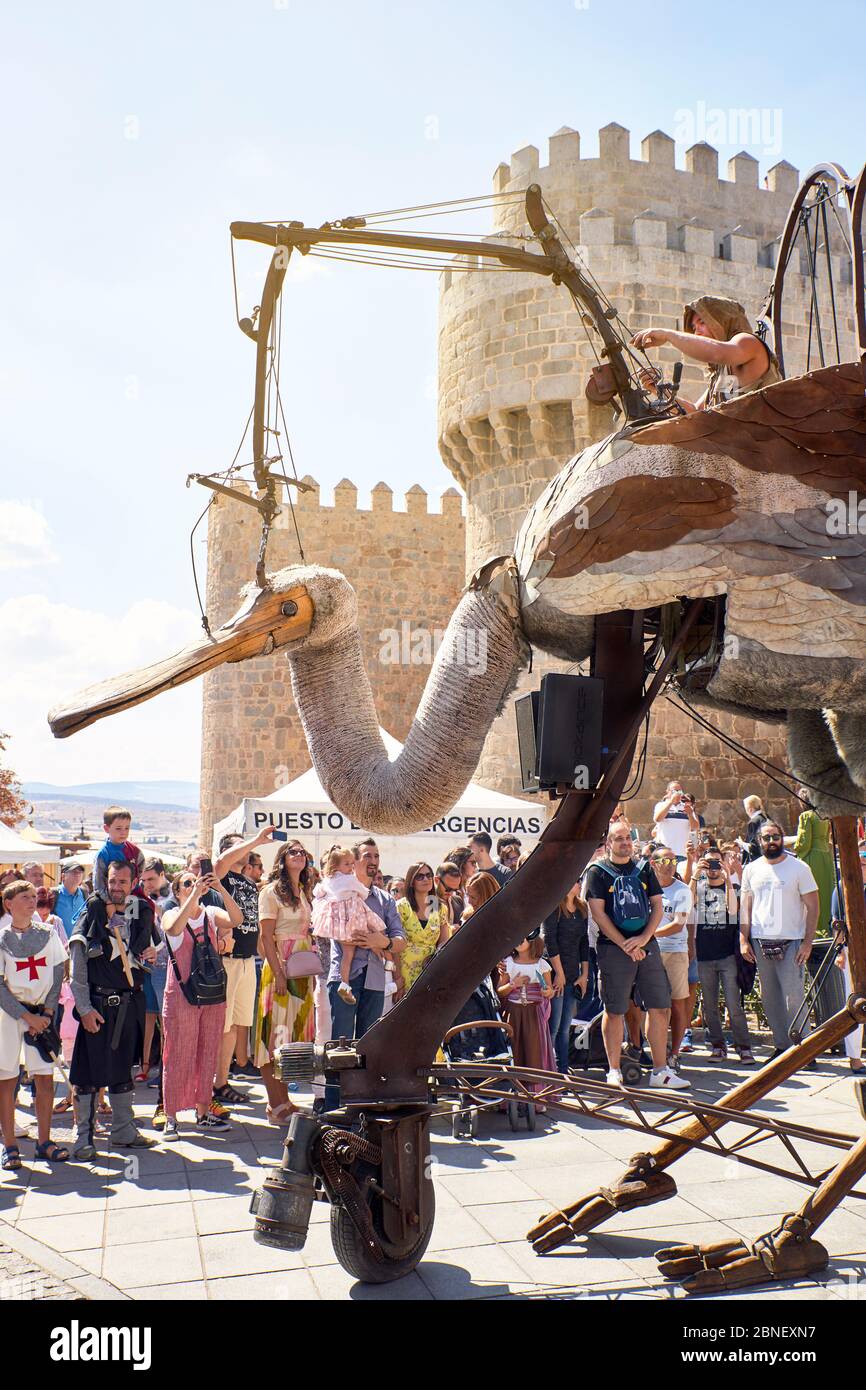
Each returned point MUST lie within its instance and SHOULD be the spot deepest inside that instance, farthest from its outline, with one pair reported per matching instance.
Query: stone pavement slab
(173, 1223)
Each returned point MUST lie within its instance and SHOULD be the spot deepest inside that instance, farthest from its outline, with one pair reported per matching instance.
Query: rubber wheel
(530, 1117)
(357, 1260)
(473, 1122)
(631, 1073)
(514, 1114)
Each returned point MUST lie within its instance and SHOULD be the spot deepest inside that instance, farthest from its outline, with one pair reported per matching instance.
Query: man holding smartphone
(675, 817)
(716, 924)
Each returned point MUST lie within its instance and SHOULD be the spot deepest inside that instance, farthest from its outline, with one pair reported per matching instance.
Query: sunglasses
(187, 883)
(296, 853)
(667, 860)
(425, 874)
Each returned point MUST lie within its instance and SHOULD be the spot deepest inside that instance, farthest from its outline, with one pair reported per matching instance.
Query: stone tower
(514, 357)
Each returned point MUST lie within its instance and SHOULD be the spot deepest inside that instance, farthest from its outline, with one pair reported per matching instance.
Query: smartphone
(205, 868)
(281, 834)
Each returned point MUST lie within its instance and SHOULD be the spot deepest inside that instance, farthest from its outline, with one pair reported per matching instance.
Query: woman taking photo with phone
(192, 1032)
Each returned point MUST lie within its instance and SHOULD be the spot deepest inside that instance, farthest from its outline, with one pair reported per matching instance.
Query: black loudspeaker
(526, 710)
(559, 733)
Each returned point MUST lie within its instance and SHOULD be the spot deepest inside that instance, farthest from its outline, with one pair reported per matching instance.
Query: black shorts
(619, 974)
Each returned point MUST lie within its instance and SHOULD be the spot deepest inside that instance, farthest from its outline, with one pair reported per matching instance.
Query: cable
(228, 473)
(762, 764)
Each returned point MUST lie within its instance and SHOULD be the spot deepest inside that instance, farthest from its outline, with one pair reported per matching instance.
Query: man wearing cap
(718, 334)
(69, 900)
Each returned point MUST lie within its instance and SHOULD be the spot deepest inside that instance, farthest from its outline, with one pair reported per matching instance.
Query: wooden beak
(269, 619)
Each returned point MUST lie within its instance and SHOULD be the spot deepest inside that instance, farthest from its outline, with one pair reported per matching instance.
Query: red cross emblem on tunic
(30, 964)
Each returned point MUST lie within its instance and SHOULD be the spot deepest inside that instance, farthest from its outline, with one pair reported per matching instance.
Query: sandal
(103, 1108)
(281, 1115)
(227, 1095)
(51, 1152)
(63, 1105)
(11, 1159)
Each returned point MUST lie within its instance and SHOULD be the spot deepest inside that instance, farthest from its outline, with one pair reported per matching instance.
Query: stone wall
(407, 567)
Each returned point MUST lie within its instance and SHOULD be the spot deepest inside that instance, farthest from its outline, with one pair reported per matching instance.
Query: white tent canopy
(15, 849)
(302, 810)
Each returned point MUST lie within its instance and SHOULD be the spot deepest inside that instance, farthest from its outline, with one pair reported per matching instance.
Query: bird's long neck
(475, 668)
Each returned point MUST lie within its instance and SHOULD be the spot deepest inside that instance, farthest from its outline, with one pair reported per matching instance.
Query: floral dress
(422, 938)
(289, 1017)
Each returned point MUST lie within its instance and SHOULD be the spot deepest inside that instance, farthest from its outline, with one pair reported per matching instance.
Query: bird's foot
(786, 1253)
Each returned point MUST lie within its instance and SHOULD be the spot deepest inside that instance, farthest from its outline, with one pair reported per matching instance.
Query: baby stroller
(479, 1034)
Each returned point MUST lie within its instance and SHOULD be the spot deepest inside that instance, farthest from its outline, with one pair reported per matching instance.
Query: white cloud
(51, 650)
(25, 536)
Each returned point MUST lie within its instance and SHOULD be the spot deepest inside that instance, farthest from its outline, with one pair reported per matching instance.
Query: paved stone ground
(21, 1279)
(174, 1223)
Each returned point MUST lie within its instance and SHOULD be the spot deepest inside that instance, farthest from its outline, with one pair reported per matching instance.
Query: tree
(12, 803)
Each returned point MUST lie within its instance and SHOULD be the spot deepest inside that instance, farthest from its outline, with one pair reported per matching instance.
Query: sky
(134, 133)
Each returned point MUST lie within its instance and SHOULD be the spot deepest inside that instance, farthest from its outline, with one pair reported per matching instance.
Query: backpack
(206, 982)
(629, 907)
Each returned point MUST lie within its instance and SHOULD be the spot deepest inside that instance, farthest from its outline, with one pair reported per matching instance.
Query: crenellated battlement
(616, 180)
(416, 501)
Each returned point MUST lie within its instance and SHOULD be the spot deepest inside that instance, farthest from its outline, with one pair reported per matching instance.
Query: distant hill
(168, 796)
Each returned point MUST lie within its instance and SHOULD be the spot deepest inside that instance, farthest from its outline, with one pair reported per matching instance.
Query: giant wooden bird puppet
(751, 500)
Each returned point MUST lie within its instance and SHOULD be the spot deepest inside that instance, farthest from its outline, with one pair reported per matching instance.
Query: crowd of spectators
(309, 951)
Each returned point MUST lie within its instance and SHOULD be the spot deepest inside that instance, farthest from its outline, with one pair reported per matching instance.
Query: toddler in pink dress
(339, 906)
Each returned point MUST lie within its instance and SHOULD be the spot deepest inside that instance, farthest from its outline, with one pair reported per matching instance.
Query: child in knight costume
(110, 942)
(32, 963)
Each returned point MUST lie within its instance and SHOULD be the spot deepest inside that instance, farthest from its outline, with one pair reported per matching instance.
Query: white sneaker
(667, 1080)
(614, 1077)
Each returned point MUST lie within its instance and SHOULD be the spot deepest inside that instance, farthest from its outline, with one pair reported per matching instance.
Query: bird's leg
(817, 762)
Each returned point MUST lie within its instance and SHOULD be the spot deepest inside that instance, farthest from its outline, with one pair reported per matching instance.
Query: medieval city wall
(513, 361)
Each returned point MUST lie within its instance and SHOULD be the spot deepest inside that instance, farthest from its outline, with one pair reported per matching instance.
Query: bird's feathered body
(687, 507)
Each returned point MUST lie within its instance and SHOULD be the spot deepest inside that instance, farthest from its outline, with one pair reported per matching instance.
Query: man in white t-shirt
(778, 917)
(672, 934)
(675, 817)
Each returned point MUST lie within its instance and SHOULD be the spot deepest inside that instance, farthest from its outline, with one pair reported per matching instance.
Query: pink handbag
(302, 963)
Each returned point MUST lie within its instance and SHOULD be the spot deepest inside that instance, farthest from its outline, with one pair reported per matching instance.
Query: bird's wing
(812, 428)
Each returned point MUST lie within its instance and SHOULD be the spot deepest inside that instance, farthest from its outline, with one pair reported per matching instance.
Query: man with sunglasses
(778, 918)
(672, 934)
